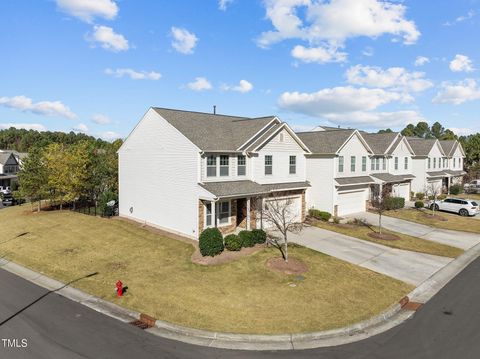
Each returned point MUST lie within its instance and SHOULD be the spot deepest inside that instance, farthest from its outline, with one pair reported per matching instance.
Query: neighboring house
(454, 157)
(429, 165)
(185, 171)
(338, 170)
(390, 164)
(9, 167)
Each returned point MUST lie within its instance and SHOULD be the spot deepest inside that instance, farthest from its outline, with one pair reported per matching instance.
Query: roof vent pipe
(214, 109)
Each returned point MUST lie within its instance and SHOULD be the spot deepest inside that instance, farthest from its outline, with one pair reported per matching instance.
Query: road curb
(380, 323)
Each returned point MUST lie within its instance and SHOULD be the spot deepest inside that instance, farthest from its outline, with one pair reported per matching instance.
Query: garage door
(294, 209)
(351, 202)
(402, 190)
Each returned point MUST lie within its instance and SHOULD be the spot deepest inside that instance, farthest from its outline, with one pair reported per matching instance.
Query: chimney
(214, 109)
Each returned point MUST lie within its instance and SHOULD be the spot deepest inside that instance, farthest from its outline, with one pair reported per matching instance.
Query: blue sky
(97, 65)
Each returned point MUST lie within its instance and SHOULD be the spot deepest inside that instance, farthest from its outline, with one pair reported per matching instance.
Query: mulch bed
(224, 257)
(294, 266)
(384, 236)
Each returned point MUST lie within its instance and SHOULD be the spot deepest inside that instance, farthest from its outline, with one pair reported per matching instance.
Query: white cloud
(108, 39)
(421, 60)
(101, 119)
(462, 131)
(87, 10)
(301, 128)
(463, 91)
(461, 63)
(470, 14)
(200, 84)
(47, 108)
(81, 127)
(183, 41)
(318, 54)
(109, 135)
(244, 86)
(26, 126)
(223, 4)
(349, 105)
(395, 78)
(133, 74)
(330, 24)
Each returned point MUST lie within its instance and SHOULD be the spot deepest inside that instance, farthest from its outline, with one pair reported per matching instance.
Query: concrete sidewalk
(463, 240)
(410, 267)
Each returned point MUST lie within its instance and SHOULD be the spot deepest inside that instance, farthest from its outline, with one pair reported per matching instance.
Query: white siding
(280, 152)
(419, 171)
(401, 151)
(320, 175)
(158, 174)
(354, 147)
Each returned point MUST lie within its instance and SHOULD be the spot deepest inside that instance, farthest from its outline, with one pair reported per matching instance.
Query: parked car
(464, 207)
(5, 190)
(8, 200)
(472, 187)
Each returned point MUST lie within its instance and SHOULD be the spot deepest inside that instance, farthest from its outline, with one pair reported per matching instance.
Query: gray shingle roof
(391, 178)
(325, 142)
(241, 188)
(263, 137)
(211, 132)
(380, 142)
(4, 156)
(455, 173)
(437, 174)
(449, 146)
(349, 181)
(421, 146)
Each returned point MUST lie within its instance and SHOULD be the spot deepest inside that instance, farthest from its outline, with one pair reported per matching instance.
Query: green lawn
(405, 242)
(453, 221)
(473, 196)
(241, 296)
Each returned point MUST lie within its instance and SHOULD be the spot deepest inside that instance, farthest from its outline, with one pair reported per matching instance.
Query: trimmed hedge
(317, 214)
(211, 242)
(246, 238)
(419, 204)
(456, 189)
(233, 242)
(392, 203)
(259, 236)
(420, 196)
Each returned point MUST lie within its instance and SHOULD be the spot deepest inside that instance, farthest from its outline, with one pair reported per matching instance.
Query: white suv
(464, 207)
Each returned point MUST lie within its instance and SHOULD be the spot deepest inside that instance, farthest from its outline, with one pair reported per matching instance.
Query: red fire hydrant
(119, 288)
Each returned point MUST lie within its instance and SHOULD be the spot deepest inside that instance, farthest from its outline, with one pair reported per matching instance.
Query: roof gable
(422, 146)
(7, 158)
(325, 142)
(381, 142)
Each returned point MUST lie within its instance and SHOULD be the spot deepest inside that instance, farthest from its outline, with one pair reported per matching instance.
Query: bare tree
(379, 202)
(280, 214)
(433, 189)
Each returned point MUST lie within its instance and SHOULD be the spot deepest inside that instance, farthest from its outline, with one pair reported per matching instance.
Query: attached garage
(402, 190)
(349, 202)
(295, 208)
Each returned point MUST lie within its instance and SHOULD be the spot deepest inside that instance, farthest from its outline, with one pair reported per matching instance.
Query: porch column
(449, 181)
(214, 214)
(248, 213)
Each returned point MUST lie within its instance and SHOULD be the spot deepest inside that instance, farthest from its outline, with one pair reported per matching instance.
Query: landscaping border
(388, 319)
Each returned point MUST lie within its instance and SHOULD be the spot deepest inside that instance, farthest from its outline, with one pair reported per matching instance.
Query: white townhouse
(436, 165)
(338, 169)
(184, 171)
(9, 166)
(391, 163)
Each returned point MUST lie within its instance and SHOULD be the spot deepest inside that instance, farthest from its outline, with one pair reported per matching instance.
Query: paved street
(446, 327)
(407, 266)
(464, 240)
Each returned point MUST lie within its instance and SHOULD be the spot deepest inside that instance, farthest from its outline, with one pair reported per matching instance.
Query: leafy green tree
(388, 130)
(437, 130)
(409, 131)
(33, 178)
(422, 130)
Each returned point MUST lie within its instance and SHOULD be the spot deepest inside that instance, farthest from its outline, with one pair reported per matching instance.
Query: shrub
(317, 214)
(246, 238)
(211, 242)
(392, 203)
(259, 236)
(336, 220)
(420, 196)
(412, 194)
(233, 242)
(456, 189)
(419, 204)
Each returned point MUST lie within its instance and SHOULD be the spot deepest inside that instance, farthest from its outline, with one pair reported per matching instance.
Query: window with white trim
(340, 164)
(208, 214)
(364, 163)
(396, 163)
(268, 164)
(429, 162)
(434, 162)
(372, 164)
(353, 160)
(212, 166)
(293, 165)
(454, 163)
(377, 164)
(223, 212)
(224, 165)
(384, 164)
(405, 166)
(241, 165)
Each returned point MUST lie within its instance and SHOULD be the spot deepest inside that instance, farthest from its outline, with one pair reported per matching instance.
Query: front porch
(393, 185)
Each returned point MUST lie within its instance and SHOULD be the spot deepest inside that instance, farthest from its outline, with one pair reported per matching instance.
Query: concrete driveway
(463, 240)
(410, 267)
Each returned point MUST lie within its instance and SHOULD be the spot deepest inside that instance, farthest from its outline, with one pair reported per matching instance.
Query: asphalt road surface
(54, 327)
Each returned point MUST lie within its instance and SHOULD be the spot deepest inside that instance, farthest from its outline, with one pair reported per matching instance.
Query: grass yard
(405, 242)
(453, 221)
(241, 296)
(474, 196)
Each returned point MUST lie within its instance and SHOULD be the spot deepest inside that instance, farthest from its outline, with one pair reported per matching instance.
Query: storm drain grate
(140, 324)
